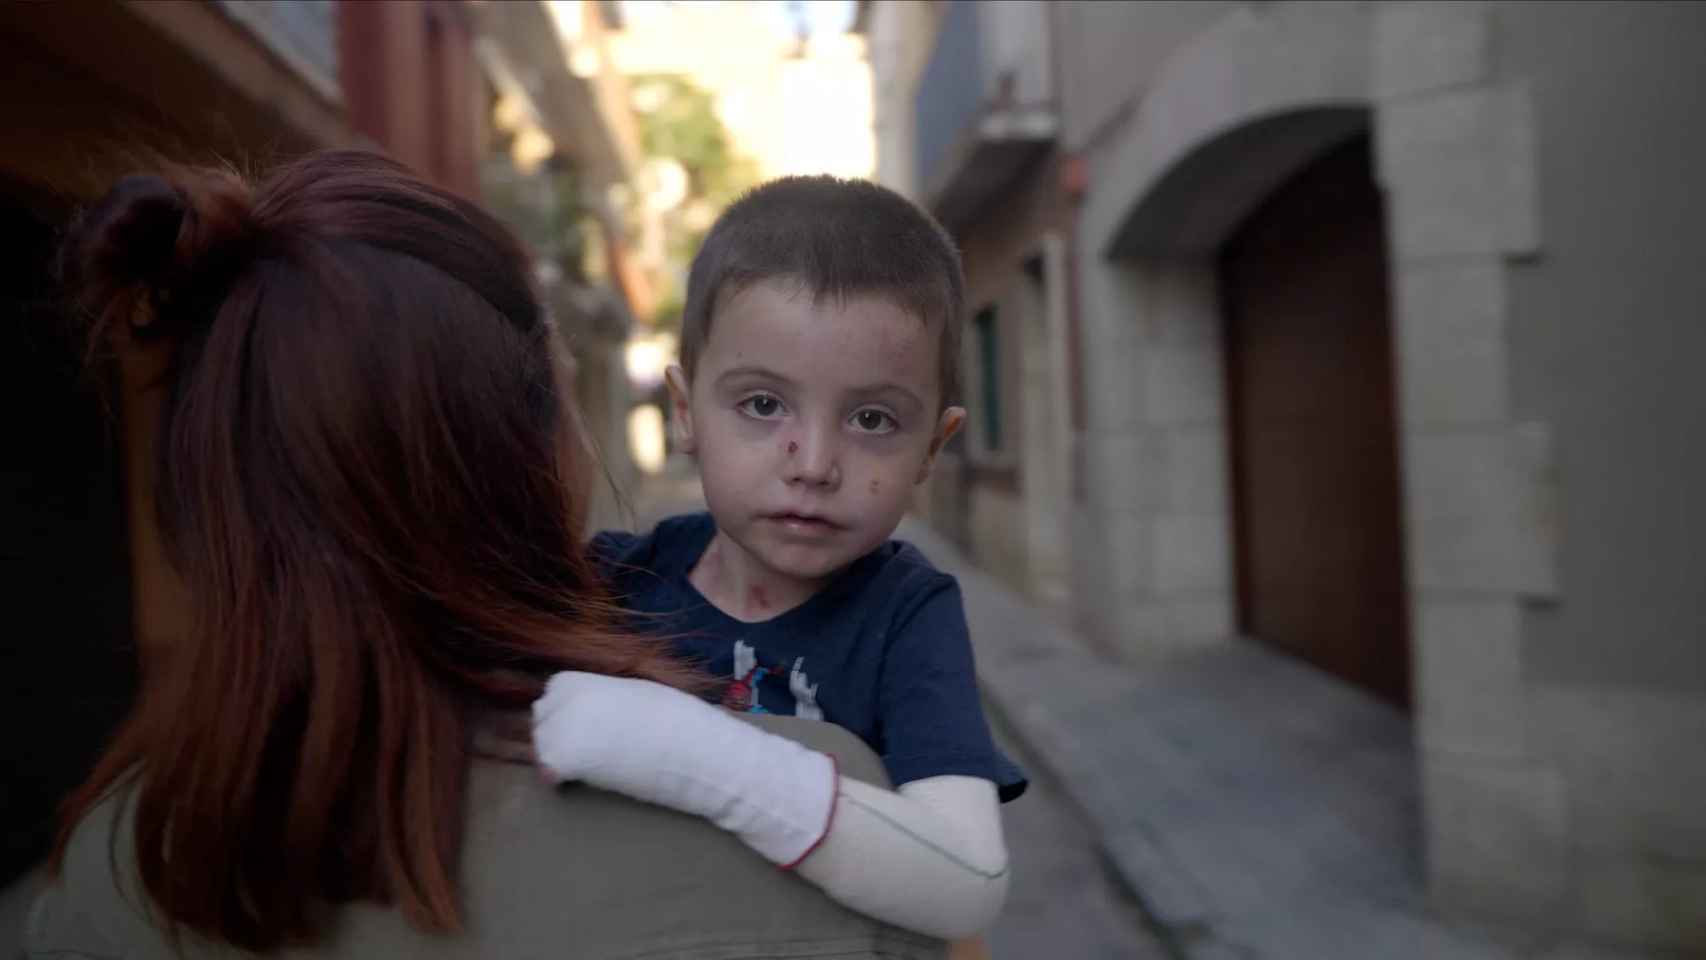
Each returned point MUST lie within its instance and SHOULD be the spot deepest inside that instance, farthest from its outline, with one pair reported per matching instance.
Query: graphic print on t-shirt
(882, 651)
(744, 690)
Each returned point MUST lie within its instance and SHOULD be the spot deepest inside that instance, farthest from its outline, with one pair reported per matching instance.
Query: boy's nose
(811, 460)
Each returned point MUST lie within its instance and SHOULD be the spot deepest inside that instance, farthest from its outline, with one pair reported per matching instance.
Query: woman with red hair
(370, 482)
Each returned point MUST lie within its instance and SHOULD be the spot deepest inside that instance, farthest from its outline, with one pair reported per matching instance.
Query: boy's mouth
(803, 522)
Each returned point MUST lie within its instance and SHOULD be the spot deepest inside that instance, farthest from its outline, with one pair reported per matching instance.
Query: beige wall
(996, 537)
(1540, 165)
(901, 35)
(1016, 521)
(1016, 50)
(1541, 192)
(1605, 339)
(1110, 52)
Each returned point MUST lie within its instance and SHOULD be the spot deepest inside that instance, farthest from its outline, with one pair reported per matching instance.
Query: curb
(1173, 906)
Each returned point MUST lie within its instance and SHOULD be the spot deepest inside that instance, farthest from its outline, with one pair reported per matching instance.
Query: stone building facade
(1364, 331)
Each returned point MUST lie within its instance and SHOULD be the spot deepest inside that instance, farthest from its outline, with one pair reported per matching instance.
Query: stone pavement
(1062, 902)
(1251, 806)
(1255, 808)
(1246, 812)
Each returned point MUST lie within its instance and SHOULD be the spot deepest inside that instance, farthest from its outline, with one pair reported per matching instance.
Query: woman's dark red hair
(369, 480)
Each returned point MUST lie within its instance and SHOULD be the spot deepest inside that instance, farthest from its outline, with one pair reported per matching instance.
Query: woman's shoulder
(543, 870)
(629, 879)
(90, 908)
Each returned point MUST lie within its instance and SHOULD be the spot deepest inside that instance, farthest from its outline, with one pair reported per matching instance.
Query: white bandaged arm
(930, 858)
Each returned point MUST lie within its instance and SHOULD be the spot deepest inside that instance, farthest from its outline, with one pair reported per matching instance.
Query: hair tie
(175, 242)
(215, 241)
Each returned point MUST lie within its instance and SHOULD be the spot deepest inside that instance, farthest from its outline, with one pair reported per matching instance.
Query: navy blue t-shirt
(883, 650)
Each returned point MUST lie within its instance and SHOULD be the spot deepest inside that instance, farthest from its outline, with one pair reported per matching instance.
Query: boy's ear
(682, 410)
(948, 424)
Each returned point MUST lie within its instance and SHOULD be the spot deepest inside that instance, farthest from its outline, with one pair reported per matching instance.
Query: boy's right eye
(763, 406)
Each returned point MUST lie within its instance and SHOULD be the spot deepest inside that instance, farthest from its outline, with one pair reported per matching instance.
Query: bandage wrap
(663, 746)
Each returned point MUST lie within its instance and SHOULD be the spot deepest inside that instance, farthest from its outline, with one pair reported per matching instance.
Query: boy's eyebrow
(752, 370)
(889, 387)
(870, 390)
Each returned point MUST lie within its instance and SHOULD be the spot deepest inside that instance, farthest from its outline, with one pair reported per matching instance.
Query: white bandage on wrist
(663, 746)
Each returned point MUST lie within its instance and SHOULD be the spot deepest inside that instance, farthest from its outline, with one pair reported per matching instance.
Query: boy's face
(812, 422)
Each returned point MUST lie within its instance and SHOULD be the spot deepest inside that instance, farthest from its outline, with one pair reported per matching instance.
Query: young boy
(818, 382)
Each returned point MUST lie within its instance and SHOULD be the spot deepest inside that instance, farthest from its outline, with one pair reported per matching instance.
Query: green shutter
(989, 354)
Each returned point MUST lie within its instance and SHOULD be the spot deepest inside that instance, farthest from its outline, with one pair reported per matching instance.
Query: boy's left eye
(874, 421)
(761, 406)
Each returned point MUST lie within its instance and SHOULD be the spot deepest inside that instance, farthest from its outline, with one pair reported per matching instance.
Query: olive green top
(564, 873)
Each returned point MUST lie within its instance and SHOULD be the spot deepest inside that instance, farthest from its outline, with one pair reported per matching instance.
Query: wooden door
(1314, 441)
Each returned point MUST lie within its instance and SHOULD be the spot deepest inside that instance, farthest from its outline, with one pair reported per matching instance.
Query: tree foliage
(678, 121)
(682, 124)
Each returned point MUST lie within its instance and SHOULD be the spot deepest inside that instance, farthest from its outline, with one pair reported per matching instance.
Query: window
(987, 333)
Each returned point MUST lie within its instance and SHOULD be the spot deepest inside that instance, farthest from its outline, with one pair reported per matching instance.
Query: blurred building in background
(562, 143)
(512, 103)
(968, 119)
(796, 96)
(728, 94)
(1365, 333)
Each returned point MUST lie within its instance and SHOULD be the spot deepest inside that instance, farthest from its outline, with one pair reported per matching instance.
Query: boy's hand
(658, 744)
(612, 730)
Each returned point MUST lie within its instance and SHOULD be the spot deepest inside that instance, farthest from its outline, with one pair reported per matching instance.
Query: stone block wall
(1558, 716)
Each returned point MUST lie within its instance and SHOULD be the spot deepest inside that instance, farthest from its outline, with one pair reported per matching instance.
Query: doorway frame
(1229, 117)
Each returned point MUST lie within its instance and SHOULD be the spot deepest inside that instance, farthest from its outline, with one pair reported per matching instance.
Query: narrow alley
(1227, 802)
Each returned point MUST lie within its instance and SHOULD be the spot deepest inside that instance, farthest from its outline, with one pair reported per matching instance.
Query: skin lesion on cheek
(876, 486)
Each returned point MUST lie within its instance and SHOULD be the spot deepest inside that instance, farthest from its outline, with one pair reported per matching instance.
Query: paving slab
(1255, 807)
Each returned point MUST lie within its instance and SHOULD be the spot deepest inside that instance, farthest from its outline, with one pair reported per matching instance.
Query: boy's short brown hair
(837, 238)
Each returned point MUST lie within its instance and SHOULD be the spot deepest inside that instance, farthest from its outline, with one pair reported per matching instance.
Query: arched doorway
(1230, 121)
(1319, 553)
